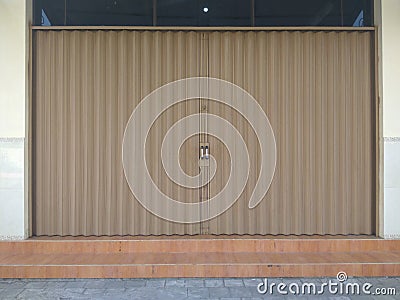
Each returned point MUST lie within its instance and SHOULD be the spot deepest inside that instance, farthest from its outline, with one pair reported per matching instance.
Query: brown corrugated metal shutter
(87, 84)
(317, 90)
(315, 87)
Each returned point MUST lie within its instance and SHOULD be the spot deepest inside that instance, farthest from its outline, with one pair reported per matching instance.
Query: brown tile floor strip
(176, 271)
(218, 258)
(202, 258)
(198, 245)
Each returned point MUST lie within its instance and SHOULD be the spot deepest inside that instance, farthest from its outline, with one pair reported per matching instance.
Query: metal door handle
(204, 151)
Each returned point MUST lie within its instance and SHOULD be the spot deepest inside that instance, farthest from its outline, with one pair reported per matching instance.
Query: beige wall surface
(391, 122)
(15, 16)
(391, 67)
(12, 67)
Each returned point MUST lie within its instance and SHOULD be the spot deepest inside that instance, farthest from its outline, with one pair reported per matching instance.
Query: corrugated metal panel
(87, 85)
(314, 86)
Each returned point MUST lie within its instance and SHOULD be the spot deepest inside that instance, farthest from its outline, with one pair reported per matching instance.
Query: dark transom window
(240, 13)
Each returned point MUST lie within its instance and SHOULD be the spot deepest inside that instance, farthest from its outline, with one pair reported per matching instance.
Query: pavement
(199, 288)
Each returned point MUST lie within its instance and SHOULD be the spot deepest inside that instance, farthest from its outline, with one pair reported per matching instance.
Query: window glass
(357, 13)
(311, 12)
(97, 12)
(204, 12)
(227, 13)
(177, 13)
(49, 12)
(109, 12)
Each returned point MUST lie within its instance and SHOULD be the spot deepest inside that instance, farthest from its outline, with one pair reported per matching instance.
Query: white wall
(12, 71)
(14, 50)
(391, 115)
(391, 67)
